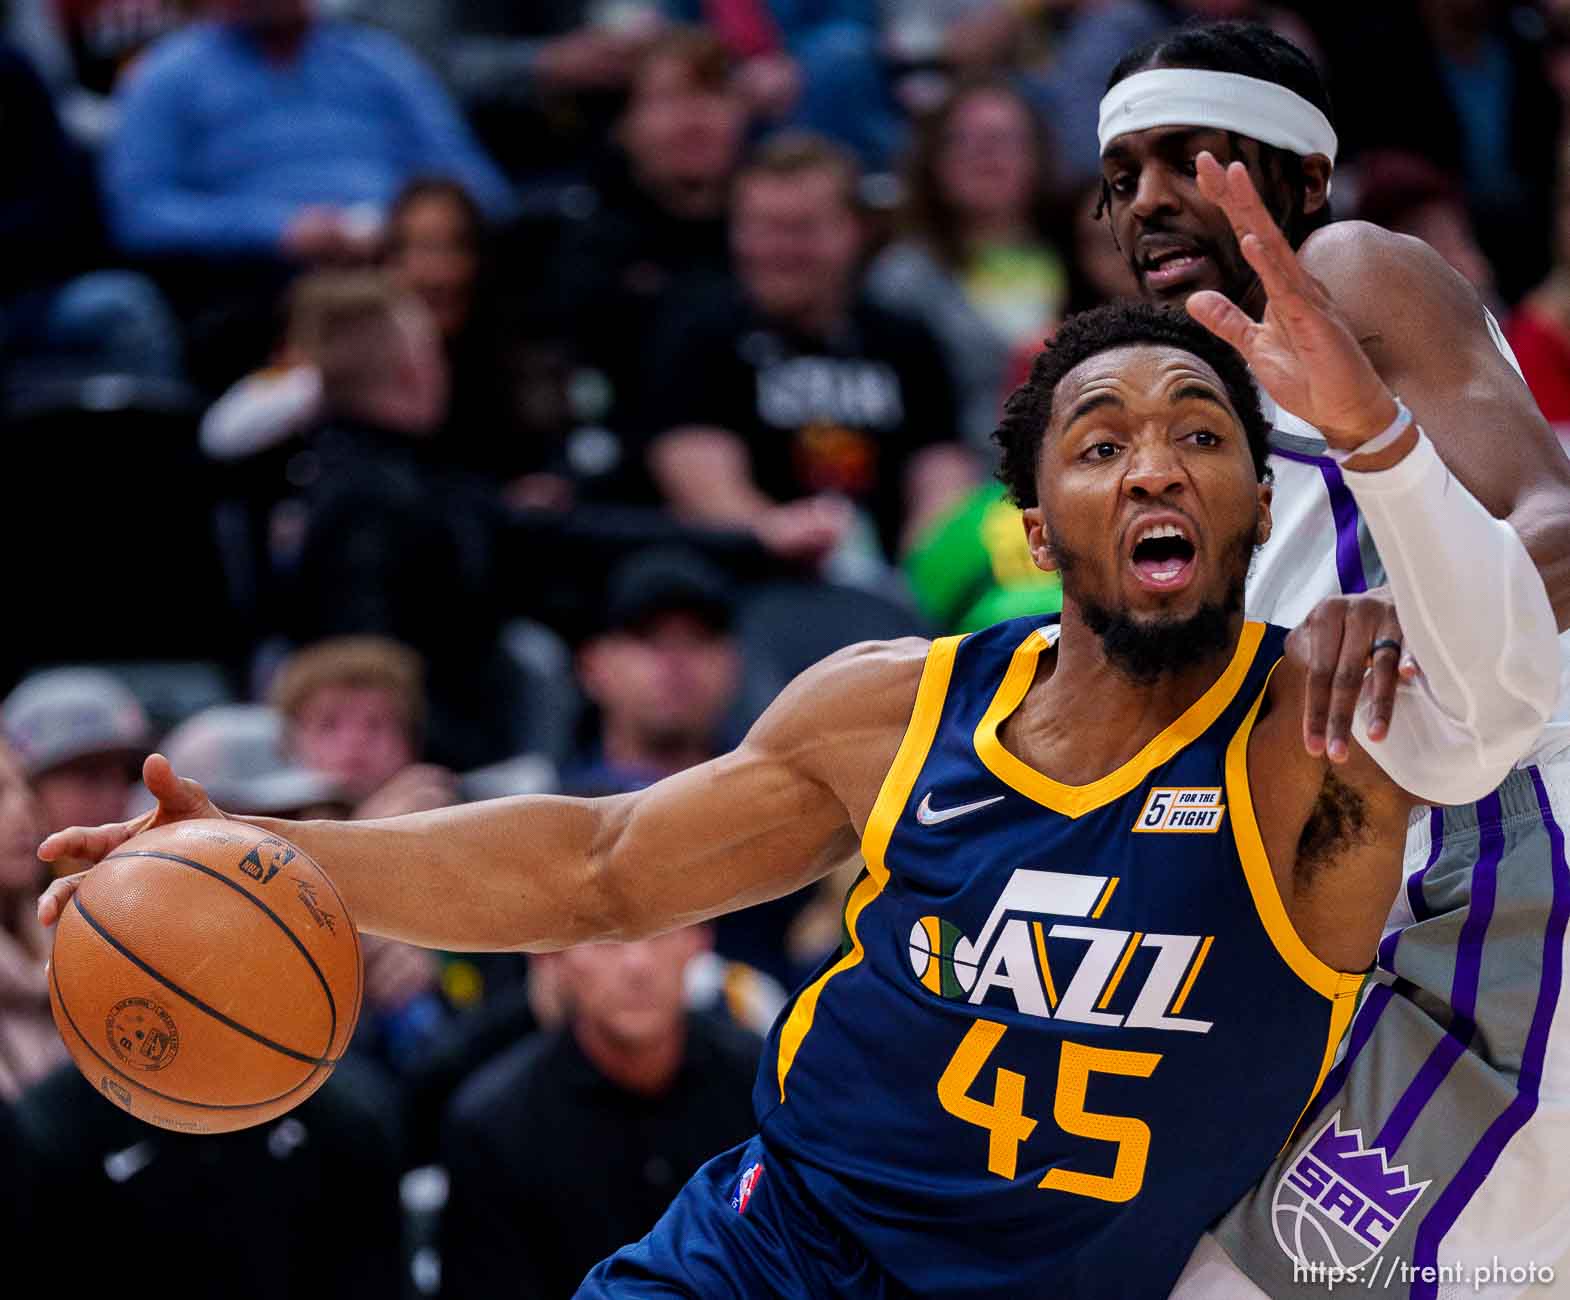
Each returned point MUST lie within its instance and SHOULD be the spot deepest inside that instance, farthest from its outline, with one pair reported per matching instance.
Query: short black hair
(1028, 410)
(1250, 50)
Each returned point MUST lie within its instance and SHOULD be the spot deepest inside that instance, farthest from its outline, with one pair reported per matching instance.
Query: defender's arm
(1429, 338)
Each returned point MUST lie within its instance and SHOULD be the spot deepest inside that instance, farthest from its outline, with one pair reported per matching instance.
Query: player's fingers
(51, 903)
(1256, 217)
(1324, 643)
(1281, 286)
(1384, 663)
(1232, 189)
(1221, 317)
(177, 796)
(1358, 633)
(85, 846)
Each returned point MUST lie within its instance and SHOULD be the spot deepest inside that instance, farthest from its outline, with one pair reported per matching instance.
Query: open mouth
(1163, 557)
(1171, 267)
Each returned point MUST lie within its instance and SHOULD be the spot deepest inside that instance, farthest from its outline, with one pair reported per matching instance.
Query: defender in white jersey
(1436, 1160)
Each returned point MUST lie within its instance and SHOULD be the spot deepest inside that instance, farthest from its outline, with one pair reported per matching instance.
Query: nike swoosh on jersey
(927, 815)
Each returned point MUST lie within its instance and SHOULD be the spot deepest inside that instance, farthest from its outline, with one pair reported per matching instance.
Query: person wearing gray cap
(239, 749)
(80, 735)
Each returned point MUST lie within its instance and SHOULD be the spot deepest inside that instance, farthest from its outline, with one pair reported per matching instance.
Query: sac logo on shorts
(1027, 958)
(1181, 810)
(1339, 1201)
(745, 1185)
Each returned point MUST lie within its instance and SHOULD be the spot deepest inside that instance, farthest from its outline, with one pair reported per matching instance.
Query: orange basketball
(206, 976)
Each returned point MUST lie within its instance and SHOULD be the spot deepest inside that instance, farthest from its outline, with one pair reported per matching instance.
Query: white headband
(1225, 101)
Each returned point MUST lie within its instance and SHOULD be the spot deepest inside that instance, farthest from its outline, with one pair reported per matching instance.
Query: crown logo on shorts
(1365, 1169)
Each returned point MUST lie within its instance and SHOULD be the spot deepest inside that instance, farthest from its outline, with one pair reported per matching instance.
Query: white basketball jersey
(1319, 545)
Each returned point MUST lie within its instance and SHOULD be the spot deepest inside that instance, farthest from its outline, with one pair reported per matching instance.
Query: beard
(1147, 649)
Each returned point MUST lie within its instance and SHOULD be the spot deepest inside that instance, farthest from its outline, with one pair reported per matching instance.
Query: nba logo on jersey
(1338, 1203)
(744, 1187)
(1181, 810)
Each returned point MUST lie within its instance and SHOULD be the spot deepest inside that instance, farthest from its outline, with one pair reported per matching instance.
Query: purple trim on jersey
(1414, 884)
(1447, 1209)
(1463, 988)
(1362, 1030)
(1349, 551)
(1414, 888)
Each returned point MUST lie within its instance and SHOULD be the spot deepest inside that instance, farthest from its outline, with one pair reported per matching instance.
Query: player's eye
(1100, 451)
(1122, 185)
(1206, 438)
(1189, 166)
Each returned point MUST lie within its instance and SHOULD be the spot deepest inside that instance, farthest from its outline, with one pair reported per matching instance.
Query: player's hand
(1344, 667)
(1302, 351)
(80, 848)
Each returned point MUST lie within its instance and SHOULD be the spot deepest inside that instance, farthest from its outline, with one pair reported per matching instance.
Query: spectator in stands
(783, 404)
(1098, 271)
(975, 262)
(660, 213)
(971, 36)
(540, 80)
(30, 1045)
(1539, 331)
(238, 750)
(263, 132)
(396, 542)
(436, 250)
(1406, 193)
(306, 1205)
(263, 140)
(662, 673)
(813, 65)
(80, 736)
(58, 315)
(354, 708)
(1475, 101)
(572, 1143)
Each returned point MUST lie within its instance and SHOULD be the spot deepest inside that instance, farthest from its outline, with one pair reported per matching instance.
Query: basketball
(206, 976)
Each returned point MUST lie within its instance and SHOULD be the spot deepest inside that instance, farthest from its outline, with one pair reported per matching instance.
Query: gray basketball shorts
(1435, 1161)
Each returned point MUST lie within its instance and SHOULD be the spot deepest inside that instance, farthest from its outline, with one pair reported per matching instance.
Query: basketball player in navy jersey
(1442, 1134)
(1113, 916)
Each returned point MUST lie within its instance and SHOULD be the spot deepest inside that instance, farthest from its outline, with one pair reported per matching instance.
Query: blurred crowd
(438, 400)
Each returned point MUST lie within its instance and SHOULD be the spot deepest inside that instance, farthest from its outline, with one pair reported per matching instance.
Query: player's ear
(1038, 538)
(1316, 183)
(1264, 522)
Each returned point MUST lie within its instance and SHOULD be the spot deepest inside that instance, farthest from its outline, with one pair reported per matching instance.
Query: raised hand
(80, 848)
(1302, 351)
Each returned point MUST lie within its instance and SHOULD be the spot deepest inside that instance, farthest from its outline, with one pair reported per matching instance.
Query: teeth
(1158, 531)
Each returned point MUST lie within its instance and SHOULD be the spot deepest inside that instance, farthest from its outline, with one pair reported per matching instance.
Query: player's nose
(1154, 193)
(1153, 470)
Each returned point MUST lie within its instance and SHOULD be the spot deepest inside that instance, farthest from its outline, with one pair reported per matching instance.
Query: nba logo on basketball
(1339, 1202)
(744, 1187)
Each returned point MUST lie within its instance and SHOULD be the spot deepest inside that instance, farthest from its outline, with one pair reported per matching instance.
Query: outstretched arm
(540, 872)
(1487, 649)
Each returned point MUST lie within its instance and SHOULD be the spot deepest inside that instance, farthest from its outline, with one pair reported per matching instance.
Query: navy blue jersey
(1070, 1025)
